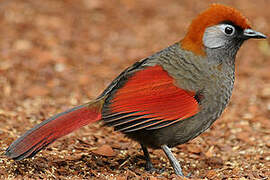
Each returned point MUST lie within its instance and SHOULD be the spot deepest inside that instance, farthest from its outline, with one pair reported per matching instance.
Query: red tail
(53, 128)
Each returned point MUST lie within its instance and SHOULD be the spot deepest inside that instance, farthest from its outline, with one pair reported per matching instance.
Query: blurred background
(55, 54)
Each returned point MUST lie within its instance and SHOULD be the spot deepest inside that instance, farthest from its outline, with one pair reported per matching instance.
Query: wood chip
(211, 174)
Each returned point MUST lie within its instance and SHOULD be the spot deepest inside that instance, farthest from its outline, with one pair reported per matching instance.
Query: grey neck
(223, 55)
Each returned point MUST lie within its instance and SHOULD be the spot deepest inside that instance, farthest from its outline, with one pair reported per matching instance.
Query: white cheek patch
(213, 37)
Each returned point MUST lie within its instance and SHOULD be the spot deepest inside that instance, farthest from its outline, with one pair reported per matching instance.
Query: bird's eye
(228, 29)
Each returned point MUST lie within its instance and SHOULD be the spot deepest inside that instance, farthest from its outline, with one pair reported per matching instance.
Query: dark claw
(150, 168)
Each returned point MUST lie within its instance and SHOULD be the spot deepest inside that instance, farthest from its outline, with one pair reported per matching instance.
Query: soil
(56, 54)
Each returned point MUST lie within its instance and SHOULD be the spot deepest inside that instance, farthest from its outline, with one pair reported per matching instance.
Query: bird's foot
(150, 168)
(179, 172)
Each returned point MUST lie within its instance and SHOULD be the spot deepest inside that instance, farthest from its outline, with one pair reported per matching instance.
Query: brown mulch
(56, 54)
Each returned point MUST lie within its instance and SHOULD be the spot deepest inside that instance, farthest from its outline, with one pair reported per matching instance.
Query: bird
(166, 99)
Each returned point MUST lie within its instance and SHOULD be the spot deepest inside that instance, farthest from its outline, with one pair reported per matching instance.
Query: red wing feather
(149, 100)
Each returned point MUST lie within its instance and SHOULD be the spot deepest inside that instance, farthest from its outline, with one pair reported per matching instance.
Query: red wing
(149, 100)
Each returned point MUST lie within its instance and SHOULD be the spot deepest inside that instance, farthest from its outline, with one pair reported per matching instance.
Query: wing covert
(148, 100)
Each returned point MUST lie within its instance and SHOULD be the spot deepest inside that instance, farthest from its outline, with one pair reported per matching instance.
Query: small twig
(124, 162)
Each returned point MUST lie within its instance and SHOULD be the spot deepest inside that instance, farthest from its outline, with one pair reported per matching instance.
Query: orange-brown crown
(215, 14)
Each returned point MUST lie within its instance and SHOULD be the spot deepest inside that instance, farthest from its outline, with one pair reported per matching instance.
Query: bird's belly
(192, 127)
(173, 135)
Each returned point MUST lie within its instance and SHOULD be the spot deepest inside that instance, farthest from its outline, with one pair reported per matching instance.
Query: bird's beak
(250, 33)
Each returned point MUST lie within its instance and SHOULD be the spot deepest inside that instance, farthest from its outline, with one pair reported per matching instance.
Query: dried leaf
(243, 136)
(194, 149)
(105, 150)
(36, 91)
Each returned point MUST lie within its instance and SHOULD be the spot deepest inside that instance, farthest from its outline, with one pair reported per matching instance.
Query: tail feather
(53, 128)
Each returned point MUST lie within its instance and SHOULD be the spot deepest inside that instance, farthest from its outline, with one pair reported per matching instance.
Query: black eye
(229, 30)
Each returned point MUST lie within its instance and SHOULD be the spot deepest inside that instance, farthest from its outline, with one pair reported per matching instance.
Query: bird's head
(220, 30)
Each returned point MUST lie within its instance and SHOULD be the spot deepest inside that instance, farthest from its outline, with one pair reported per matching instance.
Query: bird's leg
(148, 166)
(174, 162)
